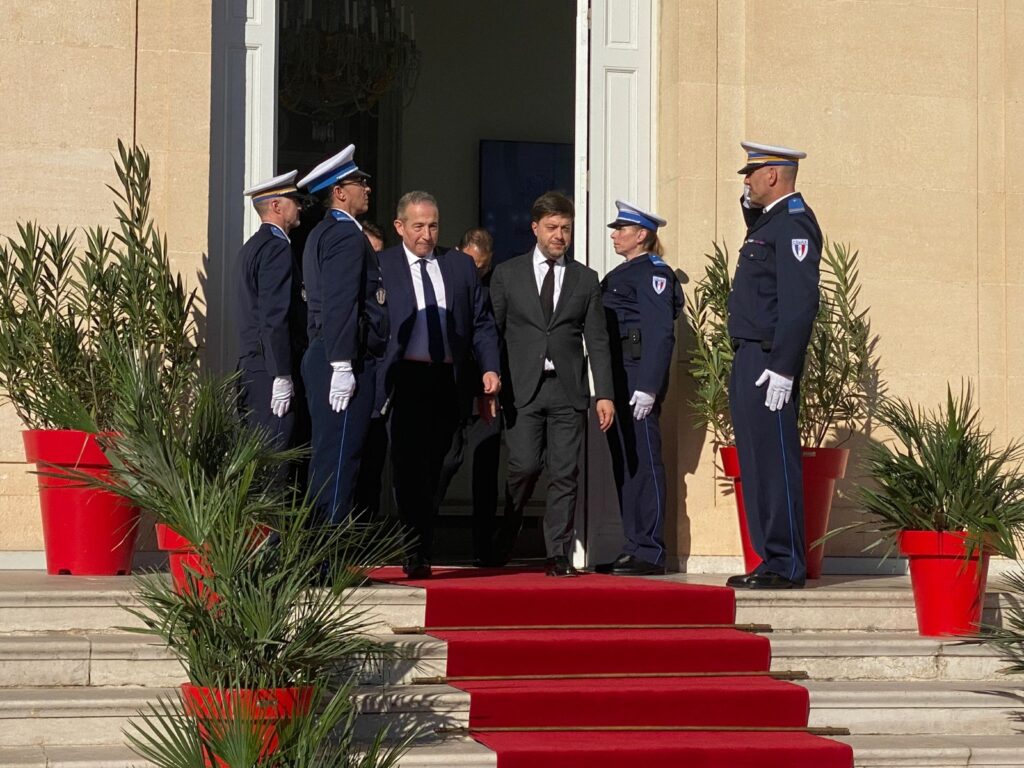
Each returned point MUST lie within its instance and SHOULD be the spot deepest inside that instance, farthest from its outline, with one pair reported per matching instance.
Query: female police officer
(642, 299)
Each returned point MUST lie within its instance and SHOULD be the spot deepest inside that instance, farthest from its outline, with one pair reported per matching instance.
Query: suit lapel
(448, 278)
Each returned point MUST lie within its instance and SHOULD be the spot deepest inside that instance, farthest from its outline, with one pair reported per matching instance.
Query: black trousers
(547, 429)
(424, 416)
(369, 484)
(482, 441)
(639, 474)
(771, 475)
(338, 438)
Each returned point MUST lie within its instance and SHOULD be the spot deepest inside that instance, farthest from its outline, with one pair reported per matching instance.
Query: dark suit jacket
(469, 327)
(267, 312)
(528, 339)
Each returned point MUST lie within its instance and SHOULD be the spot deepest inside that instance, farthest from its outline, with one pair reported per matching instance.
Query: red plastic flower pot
(949, 585)
(262, 709)
(86, 531)
(821, 468)
(170, 540)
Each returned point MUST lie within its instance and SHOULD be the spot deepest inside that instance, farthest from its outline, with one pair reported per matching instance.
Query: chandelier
(340, 57)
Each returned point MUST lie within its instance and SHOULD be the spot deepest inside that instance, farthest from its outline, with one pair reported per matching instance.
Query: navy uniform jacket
(268, 304)
(774, 297)
(642, 297)
(470, 325)
(344, 290)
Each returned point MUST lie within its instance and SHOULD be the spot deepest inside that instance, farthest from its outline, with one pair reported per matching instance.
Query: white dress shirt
(418, 347)
(540, 269)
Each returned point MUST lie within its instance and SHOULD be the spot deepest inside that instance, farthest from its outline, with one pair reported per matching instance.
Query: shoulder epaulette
(796, 205)
(656, 260)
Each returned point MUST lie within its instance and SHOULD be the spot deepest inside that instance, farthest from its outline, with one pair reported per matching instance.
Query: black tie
(547, 291)
(435, 338)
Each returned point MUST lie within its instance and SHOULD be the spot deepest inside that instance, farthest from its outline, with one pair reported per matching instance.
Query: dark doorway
(419, 86)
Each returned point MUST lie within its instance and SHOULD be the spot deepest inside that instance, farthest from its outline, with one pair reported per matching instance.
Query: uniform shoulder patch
(278, 233)
(659, 283)
(796, 205)
(656, 260)
(800, 247)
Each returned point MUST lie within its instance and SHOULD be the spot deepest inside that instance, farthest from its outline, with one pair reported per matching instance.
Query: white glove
(780, 389)
(642, 404)
(281, 395)
(343, 385)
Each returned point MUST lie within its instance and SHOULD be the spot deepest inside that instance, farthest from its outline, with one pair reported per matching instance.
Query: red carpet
(714, 699)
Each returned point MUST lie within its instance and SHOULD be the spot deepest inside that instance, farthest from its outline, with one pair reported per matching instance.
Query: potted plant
(948, 498)
(838, 388)
(265, 656)
(59, 311)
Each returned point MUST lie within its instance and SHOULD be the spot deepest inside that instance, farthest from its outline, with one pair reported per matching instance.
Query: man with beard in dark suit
(545, 307)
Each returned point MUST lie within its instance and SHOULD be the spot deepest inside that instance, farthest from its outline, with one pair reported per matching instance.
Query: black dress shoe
(772, 581)
(634, 566)
(609, 567)
(417, 568)
(491, 561)
(740, 582)
(559, 566)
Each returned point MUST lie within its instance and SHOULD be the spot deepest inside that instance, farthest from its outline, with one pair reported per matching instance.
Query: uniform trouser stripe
(657, 494)
(789, 498)
(341, 454)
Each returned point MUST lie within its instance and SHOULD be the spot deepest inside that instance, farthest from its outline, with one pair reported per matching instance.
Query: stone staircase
(70, 681)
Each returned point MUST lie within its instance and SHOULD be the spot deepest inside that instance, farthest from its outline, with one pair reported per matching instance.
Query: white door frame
(615, 124)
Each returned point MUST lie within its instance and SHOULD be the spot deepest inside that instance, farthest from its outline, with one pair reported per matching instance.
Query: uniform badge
(659, 282)
(800, 249)
(382, 296)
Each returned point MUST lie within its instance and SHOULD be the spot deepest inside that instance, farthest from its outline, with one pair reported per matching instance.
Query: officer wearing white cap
(772, 306)
(642, 299)
(269, 312)
(348, 331)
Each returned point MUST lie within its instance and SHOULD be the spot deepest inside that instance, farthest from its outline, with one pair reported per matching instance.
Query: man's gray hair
(416, 197)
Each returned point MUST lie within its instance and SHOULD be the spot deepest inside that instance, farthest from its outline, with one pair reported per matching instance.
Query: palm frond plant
(941, 471)
(948, 496)
(248, 621)
(1008, 638)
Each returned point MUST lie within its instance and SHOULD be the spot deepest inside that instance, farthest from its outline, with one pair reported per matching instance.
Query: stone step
(869, 752)
(457, 753)
(918, 707)
(884, 656)
(96, 716)
(937, 751)
(126, 659)
(31, 601)
(59, 716)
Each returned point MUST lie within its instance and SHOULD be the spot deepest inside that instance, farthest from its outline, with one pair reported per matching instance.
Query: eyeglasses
(360, 182)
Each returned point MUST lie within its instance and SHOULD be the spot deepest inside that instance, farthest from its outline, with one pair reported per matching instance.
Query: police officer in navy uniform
(348, 332)
(772, 306)
(269, 311)
(642, 299)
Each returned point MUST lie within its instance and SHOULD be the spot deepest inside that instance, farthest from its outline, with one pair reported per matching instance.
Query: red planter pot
(262, 709)
(86, 531)
(182, 557)
(821, 468)
(949, 587)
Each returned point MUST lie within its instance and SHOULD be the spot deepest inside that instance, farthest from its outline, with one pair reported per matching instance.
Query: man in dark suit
(545, 307)
(348, 331)
(440, 323)
(268, 313)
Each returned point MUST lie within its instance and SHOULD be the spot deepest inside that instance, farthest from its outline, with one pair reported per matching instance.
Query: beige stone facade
(909, 111)
(77, 76)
